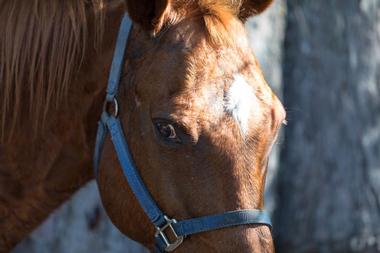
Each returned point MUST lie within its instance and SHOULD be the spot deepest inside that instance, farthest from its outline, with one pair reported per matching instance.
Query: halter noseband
(110, 123)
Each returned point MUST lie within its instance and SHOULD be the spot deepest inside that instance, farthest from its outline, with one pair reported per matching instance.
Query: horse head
(199, 119)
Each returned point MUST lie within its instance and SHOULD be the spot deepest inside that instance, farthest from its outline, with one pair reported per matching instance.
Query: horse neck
(38, 174)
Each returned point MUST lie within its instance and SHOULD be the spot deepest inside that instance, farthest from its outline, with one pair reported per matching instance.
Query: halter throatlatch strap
(110, 124)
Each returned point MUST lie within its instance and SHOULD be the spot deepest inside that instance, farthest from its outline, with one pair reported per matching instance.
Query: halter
(110, 123)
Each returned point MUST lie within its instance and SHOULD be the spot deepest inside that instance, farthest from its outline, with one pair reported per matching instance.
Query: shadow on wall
(80, 226)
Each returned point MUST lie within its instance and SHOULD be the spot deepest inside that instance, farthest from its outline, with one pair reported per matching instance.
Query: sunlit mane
(217, 16)
(42, 43)
(220, 15)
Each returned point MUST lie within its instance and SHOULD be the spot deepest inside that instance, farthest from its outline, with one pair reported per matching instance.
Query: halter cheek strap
(110, 124)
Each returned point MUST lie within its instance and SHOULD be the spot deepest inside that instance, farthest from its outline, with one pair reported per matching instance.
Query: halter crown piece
(110, 123)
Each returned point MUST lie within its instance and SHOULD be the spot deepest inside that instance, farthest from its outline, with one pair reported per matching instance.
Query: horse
(198, 115)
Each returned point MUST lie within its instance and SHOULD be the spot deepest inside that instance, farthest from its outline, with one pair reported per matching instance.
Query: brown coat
(199, 118)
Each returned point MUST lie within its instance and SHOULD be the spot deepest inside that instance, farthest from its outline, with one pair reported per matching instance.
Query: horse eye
(167, 131)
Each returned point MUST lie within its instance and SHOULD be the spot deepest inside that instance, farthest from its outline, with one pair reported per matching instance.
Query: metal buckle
(160, 231)
(114, 104)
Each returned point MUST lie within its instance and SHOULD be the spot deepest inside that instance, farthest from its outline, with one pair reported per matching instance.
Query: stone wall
(329, 180)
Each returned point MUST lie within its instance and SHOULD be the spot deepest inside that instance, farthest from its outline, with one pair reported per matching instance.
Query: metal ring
(115, 106)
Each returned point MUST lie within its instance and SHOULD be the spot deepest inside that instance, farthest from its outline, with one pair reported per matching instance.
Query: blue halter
(110, 123)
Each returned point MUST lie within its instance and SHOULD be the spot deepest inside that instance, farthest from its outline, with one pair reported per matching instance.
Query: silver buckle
(114, 105)
(160, 231)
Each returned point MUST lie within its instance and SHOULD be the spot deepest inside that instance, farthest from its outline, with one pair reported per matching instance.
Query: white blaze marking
(241, 102)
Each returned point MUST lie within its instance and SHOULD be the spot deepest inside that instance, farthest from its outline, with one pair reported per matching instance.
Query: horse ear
(150, 14)
(253, 7)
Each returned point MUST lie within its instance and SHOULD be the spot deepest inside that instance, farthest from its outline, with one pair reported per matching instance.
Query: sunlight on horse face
(200, 121)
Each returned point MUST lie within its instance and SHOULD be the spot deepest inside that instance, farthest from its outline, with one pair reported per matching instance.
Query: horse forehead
(241, 103)
(234, 98)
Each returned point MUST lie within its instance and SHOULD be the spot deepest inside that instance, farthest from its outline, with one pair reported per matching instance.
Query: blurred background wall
(329, 176)
(323, 188)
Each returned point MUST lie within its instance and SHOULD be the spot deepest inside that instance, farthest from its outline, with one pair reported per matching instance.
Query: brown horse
(198, 115)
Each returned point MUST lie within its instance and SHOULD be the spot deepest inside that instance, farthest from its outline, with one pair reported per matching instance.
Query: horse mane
(217, 16)
(42, 43)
